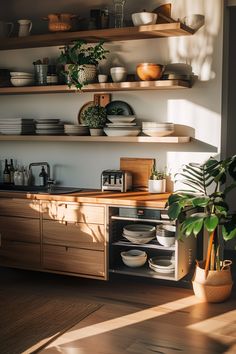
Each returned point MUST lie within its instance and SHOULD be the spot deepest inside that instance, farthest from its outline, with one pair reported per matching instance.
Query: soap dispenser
(43, 177)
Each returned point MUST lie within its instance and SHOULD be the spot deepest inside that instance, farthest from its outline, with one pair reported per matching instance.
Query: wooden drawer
(19, 207)
(22, 254)
(90, 236)
(73, 260)
(19, 229)
(73, 212)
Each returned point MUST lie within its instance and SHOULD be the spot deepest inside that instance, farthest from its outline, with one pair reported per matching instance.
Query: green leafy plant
(95, 116)
(78, 55)
(208, 187)
(157, 175)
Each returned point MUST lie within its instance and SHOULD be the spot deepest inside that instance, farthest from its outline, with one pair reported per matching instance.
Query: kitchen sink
(41, 190)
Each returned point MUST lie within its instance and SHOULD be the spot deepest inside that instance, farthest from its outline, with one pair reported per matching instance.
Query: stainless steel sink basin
(40, 190)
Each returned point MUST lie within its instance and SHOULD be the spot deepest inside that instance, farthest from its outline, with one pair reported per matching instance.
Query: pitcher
(25, 27)
(6, 28)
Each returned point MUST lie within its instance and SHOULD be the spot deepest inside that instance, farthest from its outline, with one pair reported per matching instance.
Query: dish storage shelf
(93, 36)
(183, 253)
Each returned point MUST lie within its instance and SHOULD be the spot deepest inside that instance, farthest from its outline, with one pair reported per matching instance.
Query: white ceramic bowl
(22, 81)
(139, 230)
(118, 74)
(134, 258)
(165, 234)
(144, 18)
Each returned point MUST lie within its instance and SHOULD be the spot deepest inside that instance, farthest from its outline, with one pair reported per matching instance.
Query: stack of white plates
(17, 126)
(162, 264)
(157, 129)
(49, 127)
(21, 78)
(120, 125)
(139, 233)
(76, 129)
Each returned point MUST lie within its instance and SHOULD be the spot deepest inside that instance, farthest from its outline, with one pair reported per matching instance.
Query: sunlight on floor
(123, 321)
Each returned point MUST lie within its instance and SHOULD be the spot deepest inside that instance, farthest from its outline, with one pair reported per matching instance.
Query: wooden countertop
(144, 199)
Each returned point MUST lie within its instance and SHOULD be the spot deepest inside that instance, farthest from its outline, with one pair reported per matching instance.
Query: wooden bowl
(149, 71)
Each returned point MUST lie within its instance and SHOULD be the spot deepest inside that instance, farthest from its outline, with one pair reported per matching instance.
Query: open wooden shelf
(104, 139)
(93, 36)
(106, 87)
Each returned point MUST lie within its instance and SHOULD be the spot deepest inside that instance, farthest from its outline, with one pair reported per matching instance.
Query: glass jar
(119, 12)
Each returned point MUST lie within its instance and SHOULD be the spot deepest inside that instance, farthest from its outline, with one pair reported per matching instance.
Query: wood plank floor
(137, 316)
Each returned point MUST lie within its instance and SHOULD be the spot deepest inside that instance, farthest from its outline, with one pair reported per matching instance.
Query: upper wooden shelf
(106, 87)
(93, 36)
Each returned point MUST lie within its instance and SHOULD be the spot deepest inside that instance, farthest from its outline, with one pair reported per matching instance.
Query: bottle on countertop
(6, 173)
(12, 170)
(43, 176)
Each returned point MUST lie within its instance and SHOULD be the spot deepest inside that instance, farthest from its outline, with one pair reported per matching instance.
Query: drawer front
(19, 207)
(81, 235)
(19, 229)
(22, 254)
(73, 212)
(73, 260)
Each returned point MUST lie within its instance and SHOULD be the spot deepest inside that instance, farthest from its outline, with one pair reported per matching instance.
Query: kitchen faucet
(50, 181)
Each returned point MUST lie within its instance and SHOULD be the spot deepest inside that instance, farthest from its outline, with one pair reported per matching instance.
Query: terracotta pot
(216, 287)
(149, 71)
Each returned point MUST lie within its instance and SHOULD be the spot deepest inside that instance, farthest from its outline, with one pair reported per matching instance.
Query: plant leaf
(201, 201)
(211, 222)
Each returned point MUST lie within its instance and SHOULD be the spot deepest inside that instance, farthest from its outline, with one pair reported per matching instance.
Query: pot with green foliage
(209, 185)
(157, 181)
(80, 61)
(95, 118)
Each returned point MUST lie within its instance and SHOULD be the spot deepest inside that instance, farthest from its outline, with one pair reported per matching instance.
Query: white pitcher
(25, 27)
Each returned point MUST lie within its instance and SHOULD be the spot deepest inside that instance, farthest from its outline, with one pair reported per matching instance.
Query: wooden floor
(136, 317)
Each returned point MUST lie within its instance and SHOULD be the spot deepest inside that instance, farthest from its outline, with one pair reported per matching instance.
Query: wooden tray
(141, 170)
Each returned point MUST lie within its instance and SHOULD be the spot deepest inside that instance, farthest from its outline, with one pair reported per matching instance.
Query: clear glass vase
(119, 13)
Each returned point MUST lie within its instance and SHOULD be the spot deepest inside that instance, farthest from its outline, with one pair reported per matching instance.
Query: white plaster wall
(196, 111)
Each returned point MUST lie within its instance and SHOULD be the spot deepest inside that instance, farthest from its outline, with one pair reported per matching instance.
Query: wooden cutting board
(141, 170)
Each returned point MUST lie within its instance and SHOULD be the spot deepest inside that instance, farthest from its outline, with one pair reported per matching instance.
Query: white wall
(196, 110)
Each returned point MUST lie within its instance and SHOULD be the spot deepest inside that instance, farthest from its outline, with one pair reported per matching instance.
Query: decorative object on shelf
(157, 181)
(119, 108)
(164, 14)
(134, 258)
(118, 74)
(119, 13)
(6, 29)
(59, 22)
(207, 191)
(102, 78)
(95, 118)
(144, 18)
(149, 71)
(194, 21)
(21, 78)
(40, 71)
(25, 27)
(165, 234)
(81, 62)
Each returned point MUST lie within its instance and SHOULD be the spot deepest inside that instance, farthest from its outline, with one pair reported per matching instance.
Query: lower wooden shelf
(144, 271)
(103, 139)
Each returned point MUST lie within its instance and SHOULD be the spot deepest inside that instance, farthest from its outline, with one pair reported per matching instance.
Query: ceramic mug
(6, 28)
(25, 27)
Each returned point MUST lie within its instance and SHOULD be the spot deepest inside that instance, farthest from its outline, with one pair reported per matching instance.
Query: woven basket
(212, 293)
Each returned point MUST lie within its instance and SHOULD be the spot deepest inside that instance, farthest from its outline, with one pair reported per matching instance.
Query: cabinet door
(19, 229)
(19, 207)
(73, 260)
(90, 236)
(20, 254)
(73, 212)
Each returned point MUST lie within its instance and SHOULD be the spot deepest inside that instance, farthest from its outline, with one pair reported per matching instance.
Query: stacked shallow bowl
(21, 78)
(76, 129)
(157, 129)
(162, 264)
(49, 126)
(121, 125)
(139, 233)
(134, 258)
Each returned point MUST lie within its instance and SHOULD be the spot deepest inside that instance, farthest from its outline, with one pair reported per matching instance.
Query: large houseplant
(208, 187)
(80, 61)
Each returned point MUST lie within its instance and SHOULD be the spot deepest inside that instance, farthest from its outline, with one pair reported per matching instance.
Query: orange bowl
(149, 71)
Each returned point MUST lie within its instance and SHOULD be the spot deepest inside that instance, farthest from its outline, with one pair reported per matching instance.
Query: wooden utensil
(141, 170)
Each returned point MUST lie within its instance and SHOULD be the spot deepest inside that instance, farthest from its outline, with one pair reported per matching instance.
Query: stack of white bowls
(165, 234)
(162, 264)
(139, 233)
(21, 78)
(120, 125)
(134, 258)
(157, 129)
(76, 129)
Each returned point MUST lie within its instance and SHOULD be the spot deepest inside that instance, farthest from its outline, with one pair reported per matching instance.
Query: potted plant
(80, 61)
(208, 187)
(95, 118)
(157, 181)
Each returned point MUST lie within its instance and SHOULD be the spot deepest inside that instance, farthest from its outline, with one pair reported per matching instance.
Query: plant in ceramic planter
(157, 181)
(95, 118)
(208, 187)
(81, 60)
